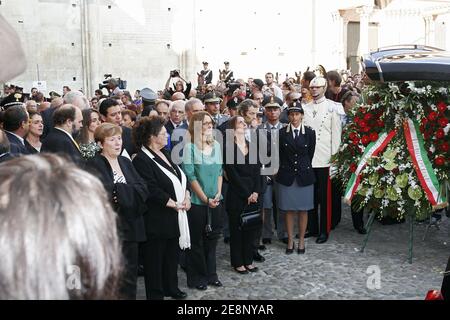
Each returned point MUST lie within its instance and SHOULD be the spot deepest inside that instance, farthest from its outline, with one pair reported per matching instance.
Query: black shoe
(258, 257)
(309, 235)
(254, 269)
(267, 241)
(179, 295)
(290, 251)
(362, 230)
(301, 251)
(322, 238)
(201, 287)
(262, 247)
(240, 271)
(216, 283)
(226, 240)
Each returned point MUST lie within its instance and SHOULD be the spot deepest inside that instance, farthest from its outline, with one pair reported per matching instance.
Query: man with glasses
(176, 116)
(321, 115)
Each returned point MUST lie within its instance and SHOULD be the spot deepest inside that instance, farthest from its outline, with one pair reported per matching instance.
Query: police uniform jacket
(322, 117)
(296, 156)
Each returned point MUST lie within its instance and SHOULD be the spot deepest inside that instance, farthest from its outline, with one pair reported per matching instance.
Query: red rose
(432, 116)
(424, 121)
(362, 123)
(353, 167)
(365, 129)
(443, 122)
(368, 116)
(381, 171)
(353, 135)
(445, 146)
(356, 141)
(356, 120)
(441, 106)
(365, 140)
(440, 134)
(426, 135)
(373, 136)
(380, 123)
(362, 110)
(440, 161)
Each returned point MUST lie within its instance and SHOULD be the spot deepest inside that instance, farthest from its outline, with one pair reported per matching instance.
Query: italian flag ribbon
(422, 164)
(372, 150)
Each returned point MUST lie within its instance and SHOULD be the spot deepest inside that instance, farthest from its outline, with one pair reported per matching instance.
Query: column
(364, 15)
(430, 36)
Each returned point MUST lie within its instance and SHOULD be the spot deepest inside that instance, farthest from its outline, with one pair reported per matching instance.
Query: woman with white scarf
(165, 220)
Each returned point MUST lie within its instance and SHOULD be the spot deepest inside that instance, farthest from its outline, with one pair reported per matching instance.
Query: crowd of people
(179, 167)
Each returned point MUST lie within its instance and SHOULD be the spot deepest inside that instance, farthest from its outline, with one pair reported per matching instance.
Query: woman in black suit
(296, 176)
(165, 220)
(128, 193)
(243, 192)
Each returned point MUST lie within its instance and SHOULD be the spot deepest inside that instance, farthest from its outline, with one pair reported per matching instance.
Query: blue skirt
(295, 197)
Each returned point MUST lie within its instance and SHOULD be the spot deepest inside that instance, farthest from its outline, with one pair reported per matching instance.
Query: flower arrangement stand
(368, 228)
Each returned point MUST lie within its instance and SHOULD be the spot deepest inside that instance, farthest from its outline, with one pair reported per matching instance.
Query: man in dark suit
(5, 153)
(176, 116)
(111, 112)
(47, 115)
(16, 126)
(68, 122)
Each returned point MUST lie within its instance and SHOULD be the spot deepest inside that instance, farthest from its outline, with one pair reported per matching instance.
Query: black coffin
(407, 63)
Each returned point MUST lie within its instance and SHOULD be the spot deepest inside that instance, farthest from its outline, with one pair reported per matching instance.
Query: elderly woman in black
(243, 192)
(296, 176)
(128, 193)
(166, 221)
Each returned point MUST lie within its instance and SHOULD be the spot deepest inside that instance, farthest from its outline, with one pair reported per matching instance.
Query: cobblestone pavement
(336, 269)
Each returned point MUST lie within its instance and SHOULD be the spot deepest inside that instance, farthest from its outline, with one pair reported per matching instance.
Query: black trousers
(336, 200)
(201, 258)
(160, 267)
(357, 218)
(318, 226)
(241, 242)
(128, 284)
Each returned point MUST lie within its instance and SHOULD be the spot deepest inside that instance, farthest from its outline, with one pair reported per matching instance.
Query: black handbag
(250, 220)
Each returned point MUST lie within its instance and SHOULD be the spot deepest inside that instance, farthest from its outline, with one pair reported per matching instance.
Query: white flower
(447, 129)
(432, 148)
(433, 107)
(442, 90)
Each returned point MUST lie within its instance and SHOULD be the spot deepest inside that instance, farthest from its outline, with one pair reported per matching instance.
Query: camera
(174, 73)
(232, 86)
(122, 84)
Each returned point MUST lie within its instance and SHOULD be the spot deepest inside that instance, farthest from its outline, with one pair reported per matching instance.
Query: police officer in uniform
(206, 73)
(321, 115)
(296, 175)
(148, 101)
(212, 106)
(226, 74)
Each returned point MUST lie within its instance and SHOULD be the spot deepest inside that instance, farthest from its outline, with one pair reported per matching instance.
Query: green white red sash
(372, 150)
(422, 164)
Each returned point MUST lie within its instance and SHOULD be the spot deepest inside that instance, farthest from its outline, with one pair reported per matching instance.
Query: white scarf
(180, 193)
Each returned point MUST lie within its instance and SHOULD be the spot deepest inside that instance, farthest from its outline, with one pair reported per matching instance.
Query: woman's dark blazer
(243, 180)
(296, 156)
(160, 221)
(131, 196)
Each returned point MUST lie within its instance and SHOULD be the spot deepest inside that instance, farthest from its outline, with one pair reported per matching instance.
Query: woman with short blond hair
(127, 193)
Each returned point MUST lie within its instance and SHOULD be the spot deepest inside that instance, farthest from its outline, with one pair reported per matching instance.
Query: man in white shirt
(321, 115)
(272, 86)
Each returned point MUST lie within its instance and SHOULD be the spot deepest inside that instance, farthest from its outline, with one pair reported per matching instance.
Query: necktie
(296, 133)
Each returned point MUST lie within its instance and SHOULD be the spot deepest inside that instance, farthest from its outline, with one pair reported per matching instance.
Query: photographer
(179, 86)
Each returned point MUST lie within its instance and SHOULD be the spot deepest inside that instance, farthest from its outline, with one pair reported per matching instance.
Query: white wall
(130, 39)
